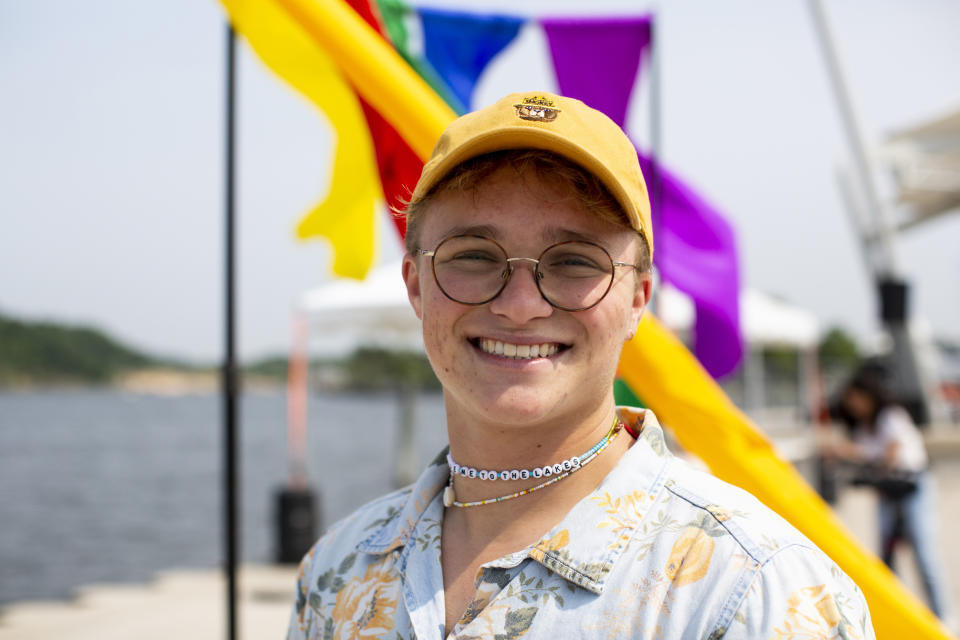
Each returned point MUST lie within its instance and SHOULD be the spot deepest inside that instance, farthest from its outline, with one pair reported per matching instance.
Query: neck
(485, 444)
(506, 447)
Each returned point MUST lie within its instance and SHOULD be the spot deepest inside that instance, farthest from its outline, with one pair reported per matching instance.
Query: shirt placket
(491, 580)
(423, 575)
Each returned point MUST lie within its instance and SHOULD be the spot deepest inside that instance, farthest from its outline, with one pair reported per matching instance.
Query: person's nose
(521, 301)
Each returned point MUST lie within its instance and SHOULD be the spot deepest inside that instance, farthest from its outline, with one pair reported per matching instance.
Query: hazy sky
(111, 136)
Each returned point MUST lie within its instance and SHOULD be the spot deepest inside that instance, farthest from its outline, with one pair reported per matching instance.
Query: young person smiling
(554, 513)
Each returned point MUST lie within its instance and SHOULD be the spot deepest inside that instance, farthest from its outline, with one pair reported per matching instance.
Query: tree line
(45, 353)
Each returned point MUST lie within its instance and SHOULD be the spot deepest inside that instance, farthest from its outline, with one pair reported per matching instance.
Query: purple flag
(696, 252)
(598, 57)
(460, 45)
(597, 61)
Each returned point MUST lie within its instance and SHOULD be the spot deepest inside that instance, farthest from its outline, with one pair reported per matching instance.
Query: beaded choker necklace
(558, 471)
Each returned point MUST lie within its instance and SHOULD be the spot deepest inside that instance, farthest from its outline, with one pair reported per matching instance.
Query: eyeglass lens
(570, 275)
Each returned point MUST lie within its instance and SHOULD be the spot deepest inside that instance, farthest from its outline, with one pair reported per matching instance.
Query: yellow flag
(346, 217)
(686, 399)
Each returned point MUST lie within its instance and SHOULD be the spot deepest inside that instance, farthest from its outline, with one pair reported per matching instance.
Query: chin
(518, 405)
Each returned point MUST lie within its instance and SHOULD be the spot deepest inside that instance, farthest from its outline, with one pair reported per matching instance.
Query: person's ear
(411, 278)
(641, 296)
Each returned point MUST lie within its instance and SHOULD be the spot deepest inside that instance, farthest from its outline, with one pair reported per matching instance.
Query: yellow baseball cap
(561, 125)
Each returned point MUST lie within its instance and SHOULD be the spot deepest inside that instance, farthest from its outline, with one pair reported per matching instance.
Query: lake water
(107, 486)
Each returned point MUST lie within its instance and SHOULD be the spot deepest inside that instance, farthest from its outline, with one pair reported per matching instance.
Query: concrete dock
(183, 604)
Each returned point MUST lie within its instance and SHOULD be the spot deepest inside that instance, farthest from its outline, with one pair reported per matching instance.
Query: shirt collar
(584, 546)
(394, 529)
(589, 540)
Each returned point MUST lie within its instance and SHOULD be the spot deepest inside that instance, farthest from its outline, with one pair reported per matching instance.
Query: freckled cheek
(603, 354)
(605, 334)
(439, 336)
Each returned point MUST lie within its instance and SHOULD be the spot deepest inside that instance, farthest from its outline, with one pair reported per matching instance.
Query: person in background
(554, 513)
(885, 441)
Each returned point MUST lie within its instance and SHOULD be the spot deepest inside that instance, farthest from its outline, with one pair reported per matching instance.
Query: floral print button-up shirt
(658, 550)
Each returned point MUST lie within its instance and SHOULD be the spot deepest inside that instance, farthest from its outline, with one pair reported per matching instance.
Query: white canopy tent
(765, 320)
(343, 314)
(926, 163)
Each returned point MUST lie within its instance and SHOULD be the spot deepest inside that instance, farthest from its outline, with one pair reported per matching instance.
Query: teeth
(519, 351)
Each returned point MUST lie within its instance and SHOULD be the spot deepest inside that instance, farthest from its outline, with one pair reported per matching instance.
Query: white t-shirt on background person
(894, 427)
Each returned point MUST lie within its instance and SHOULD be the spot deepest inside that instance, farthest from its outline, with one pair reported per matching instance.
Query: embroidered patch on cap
(537, 108)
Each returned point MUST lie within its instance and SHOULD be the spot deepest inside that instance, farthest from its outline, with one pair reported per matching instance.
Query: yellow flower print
(558, 541)
(827, 607)
(502, 619)
(484, 594)
(302, 587)
(365, 607)
(690, 557)
(555, 543)
(623, 513)
(813, 612)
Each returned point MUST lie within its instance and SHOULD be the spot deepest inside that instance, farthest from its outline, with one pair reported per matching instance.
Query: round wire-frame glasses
(474, 270)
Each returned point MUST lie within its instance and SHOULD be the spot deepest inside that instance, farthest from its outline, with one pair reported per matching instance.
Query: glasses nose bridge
(534, 261)
(537, 276)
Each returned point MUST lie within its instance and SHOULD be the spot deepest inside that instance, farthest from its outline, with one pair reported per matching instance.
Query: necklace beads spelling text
(514, 474)
(558, 472)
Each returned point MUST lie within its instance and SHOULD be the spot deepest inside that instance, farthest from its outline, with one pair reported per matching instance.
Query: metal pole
(229, 377)
(905, 377)
(656, 122)
(858, 222)
(883, 225)
(656, 127)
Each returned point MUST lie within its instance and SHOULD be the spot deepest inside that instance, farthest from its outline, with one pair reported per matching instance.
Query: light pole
(876, 230)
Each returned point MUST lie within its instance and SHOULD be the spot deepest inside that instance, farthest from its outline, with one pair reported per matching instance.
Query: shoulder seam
(743, 539)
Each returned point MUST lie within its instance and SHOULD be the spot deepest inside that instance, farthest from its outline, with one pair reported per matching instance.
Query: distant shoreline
(161, 381)
(50, 355)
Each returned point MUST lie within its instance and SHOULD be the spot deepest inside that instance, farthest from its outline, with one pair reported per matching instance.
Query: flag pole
(656, 143)
(903, 367)
(229, 374)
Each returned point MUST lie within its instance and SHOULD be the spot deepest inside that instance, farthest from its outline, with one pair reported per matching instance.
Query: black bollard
(297, 523)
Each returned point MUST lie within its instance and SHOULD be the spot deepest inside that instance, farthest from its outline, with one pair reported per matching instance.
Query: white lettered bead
(524, 474)
(538, 473)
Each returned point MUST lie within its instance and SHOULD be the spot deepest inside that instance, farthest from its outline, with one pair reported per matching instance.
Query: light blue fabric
(459, 46)
(658, 550)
